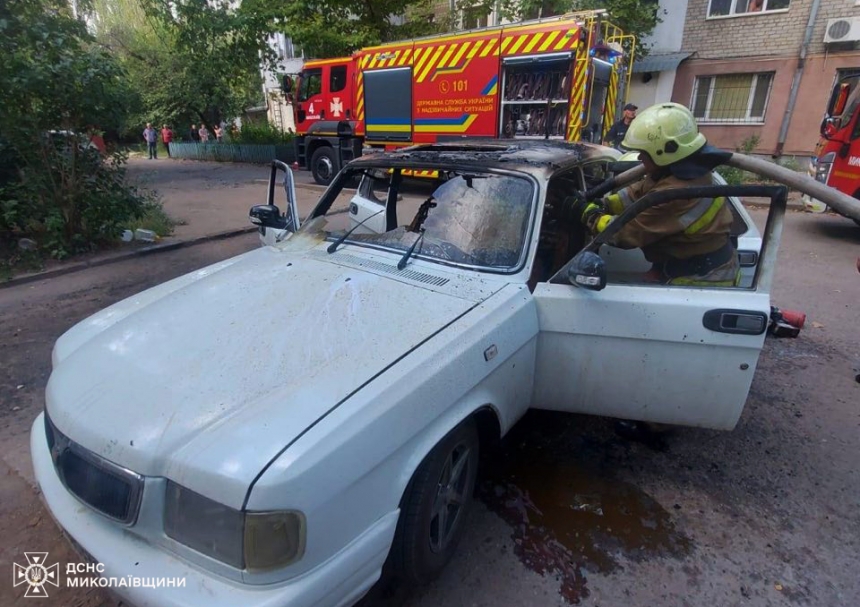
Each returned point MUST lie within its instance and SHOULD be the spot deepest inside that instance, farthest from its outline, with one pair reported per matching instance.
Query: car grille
(102, 485)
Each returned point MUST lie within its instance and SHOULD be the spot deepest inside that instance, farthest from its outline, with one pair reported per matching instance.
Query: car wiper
(402, 263)
(421, 215)
(333, 246)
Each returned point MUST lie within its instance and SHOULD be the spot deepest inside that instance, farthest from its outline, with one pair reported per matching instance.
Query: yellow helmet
(667, 132)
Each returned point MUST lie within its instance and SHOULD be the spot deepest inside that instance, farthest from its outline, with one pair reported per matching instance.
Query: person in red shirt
(166, 138)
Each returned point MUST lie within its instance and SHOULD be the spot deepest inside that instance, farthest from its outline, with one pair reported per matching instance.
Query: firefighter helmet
(667, 132)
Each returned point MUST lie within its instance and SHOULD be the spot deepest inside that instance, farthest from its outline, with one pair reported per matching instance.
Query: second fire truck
(837, 157)
(557, 78)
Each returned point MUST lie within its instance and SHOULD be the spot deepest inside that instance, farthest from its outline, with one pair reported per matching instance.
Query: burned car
(276, 427)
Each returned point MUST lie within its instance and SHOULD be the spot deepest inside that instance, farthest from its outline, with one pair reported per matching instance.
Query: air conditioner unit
(842, 30)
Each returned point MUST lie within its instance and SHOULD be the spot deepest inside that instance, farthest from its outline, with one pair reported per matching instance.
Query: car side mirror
(287, 84)
(829, 127)
(587, 270)
(267, 216)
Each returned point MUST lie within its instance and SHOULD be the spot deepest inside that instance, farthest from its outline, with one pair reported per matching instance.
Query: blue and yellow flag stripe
(445, 125)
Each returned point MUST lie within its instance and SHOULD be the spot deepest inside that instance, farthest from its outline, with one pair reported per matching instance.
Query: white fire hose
(843, 203)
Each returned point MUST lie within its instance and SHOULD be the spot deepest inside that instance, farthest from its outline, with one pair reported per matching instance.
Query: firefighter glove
(582, 210)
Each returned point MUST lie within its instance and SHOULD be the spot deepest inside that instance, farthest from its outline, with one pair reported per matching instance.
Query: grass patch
(154, 218)
(17, 261)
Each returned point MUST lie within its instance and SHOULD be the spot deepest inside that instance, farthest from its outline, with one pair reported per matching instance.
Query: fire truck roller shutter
(601, 74)
(388, 104)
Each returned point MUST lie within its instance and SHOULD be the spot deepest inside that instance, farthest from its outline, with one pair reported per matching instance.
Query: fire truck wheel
(324, 165)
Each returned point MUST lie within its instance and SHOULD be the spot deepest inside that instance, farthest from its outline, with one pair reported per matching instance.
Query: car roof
(536, 156)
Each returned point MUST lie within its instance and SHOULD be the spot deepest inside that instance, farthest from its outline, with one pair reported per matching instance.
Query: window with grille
(732, 97)
(724, 8)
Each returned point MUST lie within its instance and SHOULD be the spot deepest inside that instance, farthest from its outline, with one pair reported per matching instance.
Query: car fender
(352, 467)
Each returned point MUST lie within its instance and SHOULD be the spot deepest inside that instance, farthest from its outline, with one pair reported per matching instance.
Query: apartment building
(279, 108)
(765, 68)
(654, 74)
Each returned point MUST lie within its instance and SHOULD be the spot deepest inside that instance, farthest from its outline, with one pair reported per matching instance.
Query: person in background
(195, 134)
(151, 138)
(166, 138)
(204, 133)
(616, 134)
(219, 133)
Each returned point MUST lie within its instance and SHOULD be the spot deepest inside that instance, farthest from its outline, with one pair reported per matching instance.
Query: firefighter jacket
(679, 229)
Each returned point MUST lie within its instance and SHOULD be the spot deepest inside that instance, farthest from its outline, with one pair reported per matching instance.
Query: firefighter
(687, 240)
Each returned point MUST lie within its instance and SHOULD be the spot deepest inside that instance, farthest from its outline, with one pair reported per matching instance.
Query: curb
(159, 248)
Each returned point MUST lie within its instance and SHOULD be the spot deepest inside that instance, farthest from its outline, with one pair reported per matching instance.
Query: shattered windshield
(460, 217)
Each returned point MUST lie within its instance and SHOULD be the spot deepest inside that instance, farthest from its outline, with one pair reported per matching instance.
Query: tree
(335, 28)
(57, 86)
(637, 17)
(187, 60)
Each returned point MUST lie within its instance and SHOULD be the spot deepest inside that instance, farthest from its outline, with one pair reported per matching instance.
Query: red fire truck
(557, 78)
(837, 156)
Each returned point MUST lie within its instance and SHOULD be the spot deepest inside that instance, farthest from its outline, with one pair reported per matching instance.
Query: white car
(275, 427)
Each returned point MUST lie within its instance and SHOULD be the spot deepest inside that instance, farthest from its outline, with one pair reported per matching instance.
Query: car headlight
(824, 166)
(245, 540)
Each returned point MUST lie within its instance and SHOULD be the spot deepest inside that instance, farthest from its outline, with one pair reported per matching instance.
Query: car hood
(206, 379)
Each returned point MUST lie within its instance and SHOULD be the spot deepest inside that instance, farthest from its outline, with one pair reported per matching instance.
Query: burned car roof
(535, 156)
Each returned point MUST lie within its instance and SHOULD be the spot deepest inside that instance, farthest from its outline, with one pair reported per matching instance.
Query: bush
(67, 198)
(262, 133)
(57, 82)
(735, 176)
(153, 218)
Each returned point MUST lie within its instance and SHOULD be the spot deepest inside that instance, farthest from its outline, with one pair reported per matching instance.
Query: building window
(739, 98)
(724, 8)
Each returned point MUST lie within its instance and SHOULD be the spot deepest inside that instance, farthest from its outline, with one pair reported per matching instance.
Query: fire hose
(842, 203)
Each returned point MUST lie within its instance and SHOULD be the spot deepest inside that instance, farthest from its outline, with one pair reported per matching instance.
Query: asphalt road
(568, 511)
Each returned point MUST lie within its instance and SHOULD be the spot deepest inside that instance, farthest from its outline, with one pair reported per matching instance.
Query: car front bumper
(340, 581)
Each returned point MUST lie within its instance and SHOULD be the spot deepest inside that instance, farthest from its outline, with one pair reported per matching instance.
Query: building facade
(746, 78)
(279, 107)
(654, 75)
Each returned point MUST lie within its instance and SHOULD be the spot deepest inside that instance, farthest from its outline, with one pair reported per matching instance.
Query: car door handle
(745, 322)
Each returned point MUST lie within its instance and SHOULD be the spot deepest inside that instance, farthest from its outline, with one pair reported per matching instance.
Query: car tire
(435, 507)
(324, 165)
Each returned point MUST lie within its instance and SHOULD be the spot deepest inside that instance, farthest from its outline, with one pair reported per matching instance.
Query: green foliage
(791, 163)
(732, 175)
(188, 61)
(636, 17)
(153, 217)
(57, 82)
(261, 133)
(335, 28)
(69, 199)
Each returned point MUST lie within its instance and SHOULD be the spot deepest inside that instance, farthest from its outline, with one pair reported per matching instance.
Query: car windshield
(469, 218)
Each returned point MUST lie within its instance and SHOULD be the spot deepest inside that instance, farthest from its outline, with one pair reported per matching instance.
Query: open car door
(274, 225)
(652, 352)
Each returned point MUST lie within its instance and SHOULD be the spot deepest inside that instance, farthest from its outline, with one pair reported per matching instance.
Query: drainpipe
(798, 75)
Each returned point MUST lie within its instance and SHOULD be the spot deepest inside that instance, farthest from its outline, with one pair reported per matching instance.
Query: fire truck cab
(561, 78)
(837, 158)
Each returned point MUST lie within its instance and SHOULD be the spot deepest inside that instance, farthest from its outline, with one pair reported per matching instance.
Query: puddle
(569, 515)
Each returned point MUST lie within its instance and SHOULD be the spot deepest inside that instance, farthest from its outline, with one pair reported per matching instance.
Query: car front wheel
(435, 507)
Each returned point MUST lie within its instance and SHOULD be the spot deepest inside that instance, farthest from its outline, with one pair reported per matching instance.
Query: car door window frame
(763, 278)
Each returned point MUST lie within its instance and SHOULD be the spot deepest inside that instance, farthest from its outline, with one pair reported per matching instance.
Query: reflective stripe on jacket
(678, 229)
